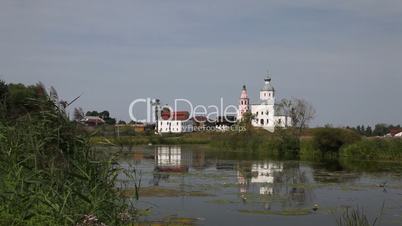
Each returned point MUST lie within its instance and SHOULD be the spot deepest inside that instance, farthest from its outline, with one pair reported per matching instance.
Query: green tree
(380, 130)
(369, 131)
(330, 140)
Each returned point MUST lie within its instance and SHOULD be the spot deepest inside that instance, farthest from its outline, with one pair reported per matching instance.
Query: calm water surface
(239, 189)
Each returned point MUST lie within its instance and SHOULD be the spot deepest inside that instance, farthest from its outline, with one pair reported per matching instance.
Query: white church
(264, 114)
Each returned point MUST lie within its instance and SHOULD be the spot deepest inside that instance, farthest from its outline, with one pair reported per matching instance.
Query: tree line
(380, 129)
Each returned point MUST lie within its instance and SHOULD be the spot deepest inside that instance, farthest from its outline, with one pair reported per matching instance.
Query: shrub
(374, 149)
(330, 140)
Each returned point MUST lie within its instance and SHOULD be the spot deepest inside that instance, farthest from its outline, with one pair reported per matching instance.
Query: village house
(175, 122)
(92, 121)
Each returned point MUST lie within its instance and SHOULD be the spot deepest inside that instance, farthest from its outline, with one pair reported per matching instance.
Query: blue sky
(343, 56)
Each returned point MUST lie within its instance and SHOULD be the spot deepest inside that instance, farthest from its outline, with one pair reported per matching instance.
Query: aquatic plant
(356, 217)
(49, 174)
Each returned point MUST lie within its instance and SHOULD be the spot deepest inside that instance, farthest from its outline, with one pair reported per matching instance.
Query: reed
(357, 217)
(49, 174)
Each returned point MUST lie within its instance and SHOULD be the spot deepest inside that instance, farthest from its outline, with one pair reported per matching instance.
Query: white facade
(264, 176)
(264, 112)
(175, 126)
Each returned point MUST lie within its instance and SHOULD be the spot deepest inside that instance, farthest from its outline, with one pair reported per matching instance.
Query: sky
(343, 56)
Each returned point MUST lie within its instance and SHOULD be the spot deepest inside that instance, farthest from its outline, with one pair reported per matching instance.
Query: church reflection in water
(259, 177)
(266, 178)
(170, 159)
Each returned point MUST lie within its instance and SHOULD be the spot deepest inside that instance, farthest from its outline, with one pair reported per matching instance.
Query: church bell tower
(244, 103)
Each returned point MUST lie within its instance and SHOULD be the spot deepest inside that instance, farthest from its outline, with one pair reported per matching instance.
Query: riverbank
(312, 145)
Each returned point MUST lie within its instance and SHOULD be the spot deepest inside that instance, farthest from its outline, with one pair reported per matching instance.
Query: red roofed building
(175, 122)
(93, 121)
(394, 132)
(178, 115)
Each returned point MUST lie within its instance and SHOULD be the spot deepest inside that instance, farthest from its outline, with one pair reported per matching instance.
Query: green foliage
(330, 140)
(379, 129)
(374, 149)
(308, 151)
(356, 217)
(105, 115)
(282, 144)
(19, 99)
(49, 175)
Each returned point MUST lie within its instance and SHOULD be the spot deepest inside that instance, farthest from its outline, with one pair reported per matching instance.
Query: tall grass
(282, 143)
(357, 217)
(49, 175)
(374, 149)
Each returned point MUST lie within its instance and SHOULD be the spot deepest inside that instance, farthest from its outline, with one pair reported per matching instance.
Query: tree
(104, 114)
(121, 122)
(300, 111)
(92, 113)
(380, 130)
(246, 120)
(286, 106)
(3, 89)
(369, 131)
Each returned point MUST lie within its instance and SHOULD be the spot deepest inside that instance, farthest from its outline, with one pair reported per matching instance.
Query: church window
(267, 121)
(262, 113)
(262, 121)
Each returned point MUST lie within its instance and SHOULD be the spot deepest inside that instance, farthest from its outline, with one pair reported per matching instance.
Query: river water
(231, 188)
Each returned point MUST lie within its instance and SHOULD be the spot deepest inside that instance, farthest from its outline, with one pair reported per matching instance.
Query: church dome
(267, 86)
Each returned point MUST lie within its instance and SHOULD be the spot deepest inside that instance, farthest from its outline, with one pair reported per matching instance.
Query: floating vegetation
(156, 191)
(222, 201)
(284, 212)
(169, 221)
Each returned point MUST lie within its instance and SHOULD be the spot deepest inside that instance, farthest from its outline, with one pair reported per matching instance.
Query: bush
(282, 143)
(374, 149)
(330, 140)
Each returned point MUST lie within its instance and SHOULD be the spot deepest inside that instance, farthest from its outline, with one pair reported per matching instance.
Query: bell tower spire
(244, 103)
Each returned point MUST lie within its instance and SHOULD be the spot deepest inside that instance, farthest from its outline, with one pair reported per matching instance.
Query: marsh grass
(374, 149)
(49, 175)
(357, 217)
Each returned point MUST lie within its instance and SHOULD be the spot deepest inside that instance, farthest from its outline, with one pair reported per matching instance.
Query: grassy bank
(49, 174)
(319, 143)
(374, 149)
(168, 139)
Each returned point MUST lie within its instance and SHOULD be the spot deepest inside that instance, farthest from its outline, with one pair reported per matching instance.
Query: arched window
(267, 121)
(262, 121)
